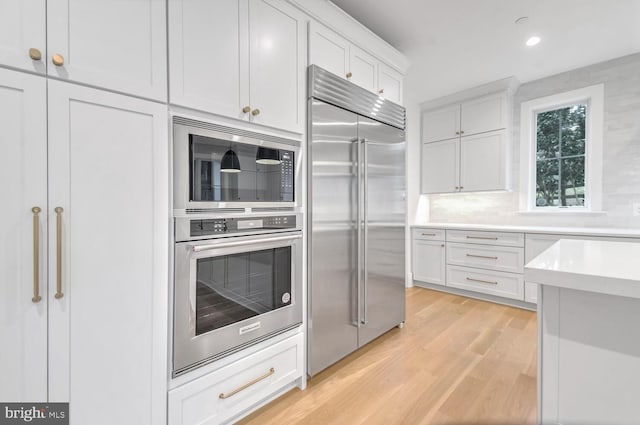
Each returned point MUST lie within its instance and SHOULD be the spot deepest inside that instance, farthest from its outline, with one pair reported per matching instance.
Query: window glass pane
(547, 183)
(548, 134)
(560, 157)
(572, 182)
(573, 130)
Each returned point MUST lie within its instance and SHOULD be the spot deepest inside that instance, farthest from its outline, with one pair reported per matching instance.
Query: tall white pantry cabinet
(84, 223)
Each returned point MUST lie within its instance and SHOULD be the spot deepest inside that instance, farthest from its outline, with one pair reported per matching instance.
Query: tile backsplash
(621, 155)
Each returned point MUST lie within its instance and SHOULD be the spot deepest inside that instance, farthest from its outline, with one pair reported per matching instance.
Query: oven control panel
(222, 226)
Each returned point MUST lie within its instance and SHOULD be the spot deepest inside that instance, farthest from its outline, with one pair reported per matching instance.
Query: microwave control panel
(222, 226)
(286, 179)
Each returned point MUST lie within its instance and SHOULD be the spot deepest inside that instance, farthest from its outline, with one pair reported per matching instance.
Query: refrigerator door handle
(365, 219)
(359, 230)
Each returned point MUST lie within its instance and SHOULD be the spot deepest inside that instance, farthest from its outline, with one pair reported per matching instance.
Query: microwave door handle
(200, 248)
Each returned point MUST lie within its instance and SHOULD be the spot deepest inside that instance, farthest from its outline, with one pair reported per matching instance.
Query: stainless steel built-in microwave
(222, 167)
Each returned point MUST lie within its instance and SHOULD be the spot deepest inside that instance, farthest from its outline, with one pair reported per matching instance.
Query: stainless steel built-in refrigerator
(356, 213)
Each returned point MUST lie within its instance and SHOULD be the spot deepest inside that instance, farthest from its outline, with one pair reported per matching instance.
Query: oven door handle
(200, 248)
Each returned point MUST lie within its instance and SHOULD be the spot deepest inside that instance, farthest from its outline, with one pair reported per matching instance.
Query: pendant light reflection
(230, 162)
(267, 156)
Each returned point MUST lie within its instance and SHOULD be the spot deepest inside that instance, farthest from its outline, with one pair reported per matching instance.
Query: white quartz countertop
(611, 268)
(586, 231)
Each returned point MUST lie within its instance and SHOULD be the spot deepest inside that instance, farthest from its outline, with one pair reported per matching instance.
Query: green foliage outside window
(560, 157)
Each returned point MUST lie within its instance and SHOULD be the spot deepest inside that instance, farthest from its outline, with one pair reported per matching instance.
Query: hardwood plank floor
(457, 361)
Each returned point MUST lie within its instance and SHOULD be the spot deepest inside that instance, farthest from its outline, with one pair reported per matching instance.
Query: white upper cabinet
(328, 50)
(239, 59)
(441, 124)
(363, 69)
(23, 232)
(23, 38)
(109, 211)
(479, 129)
(440, 166)
(277, 65)
(337, 55)
(205, 61)
(112, 44)
(481, 115)
(484, 114)
(389, 83)
(483, 162)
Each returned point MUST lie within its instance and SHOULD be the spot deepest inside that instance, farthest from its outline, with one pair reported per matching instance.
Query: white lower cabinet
(223, 395)
(499, 258)
(500, 284)
(429, 262)
(97, 337)
(23, 250)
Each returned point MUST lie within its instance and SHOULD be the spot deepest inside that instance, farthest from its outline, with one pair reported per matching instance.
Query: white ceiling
(457, 44)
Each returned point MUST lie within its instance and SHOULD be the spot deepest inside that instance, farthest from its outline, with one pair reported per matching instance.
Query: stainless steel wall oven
(230, 292)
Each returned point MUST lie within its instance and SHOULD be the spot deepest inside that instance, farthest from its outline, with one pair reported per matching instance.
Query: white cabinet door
(277, 65)
(23, 172)
(428, 258)
(108, 171)
(113, 44)
(208, 59)
(440, 166)
(23, 27)
(441, 124)
(484, 114)
(363, 69)
(389, 83)
(483, 162)
(328, 50)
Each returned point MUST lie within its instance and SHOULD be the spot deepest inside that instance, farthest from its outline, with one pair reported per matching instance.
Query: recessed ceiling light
(532, 41)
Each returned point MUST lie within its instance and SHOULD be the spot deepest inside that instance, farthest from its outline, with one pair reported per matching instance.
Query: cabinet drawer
(428, 234)
(223, 394)
(507, 285)
(486, 238)
(500, 258)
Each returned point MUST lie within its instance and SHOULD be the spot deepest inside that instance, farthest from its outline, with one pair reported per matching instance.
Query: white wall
(621, 156)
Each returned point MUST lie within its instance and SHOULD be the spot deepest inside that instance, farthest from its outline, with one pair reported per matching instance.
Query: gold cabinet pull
(482, 256)
(247, 385)
(457, 133)
(36, 255)
(246, 109)
(482, 281)
(255, 112)
(482, 237)
(59, 293)
(57, 59)
(461, 132)
(35, 54)
(349, 75)
(381, 91)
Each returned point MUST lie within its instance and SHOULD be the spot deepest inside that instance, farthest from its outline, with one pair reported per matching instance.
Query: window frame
(593, 97)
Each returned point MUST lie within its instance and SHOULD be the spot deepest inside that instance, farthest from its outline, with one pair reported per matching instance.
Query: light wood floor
(457, 361)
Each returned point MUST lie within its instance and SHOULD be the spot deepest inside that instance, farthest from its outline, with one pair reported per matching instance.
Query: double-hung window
(561, 152)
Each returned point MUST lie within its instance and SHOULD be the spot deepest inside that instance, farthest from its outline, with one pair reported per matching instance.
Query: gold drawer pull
(57, 59)
(247, 385)
(428, 234)
(59, 293)
(482, 281)
(246, 109)
(482, 256)
(482, 237)
(36, 255)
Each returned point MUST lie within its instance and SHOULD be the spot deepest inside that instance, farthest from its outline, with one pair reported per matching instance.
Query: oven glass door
(225, 171)
(235, 287)
(232, 292)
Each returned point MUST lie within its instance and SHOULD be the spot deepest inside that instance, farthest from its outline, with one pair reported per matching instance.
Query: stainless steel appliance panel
(333, 235)
(383, 223)
(232, 292)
